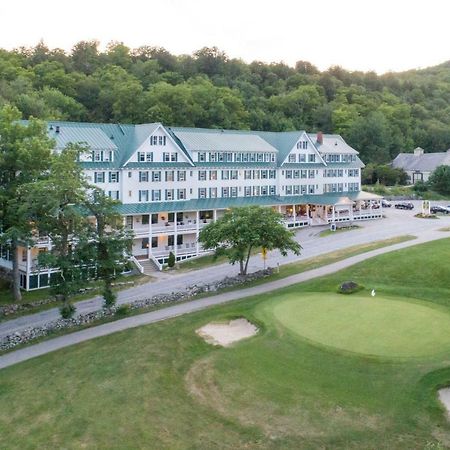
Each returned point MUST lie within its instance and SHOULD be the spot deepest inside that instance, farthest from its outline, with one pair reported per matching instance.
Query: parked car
(386, 203)
(440, 209)
(404, 205)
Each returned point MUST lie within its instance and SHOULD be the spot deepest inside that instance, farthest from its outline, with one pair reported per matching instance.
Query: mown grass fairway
(162, 387)
(390, 327)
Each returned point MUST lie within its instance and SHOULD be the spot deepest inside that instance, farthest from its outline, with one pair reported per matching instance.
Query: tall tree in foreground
(109, 240)
(55, 204)
(25, 151)
(241, 230)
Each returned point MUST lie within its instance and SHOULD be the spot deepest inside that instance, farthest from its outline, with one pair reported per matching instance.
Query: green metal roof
(124, 140)
(158, 165)
(235, 202)
(195, 139)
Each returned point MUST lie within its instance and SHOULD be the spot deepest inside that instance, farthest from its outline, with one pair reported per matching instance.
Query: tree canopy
(380, 115)
(241, 230)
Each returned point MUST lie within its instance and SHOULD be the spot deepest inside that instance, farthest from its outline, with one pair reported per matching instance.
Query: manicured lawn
(162, 387)
(389, 327)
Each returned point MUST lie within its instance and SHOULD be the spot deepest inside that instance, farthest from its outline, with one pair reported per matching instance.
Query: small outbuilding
(420, 165)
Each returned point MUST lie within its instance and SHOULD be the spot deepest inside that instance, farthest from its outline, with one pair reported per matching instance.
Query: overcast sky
(379, 35)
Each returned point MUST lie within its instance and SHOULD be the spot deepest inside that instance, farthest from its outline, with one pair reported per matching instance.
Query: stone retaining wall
(29, 334)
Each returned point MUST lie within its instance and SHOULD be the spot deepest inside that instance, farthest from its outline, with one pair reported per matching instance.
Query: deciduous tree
(242, 230)
(25, 151)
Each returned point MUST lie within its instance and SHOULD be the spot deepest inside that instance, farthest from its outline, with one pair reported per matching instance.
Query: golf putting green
(368, 325)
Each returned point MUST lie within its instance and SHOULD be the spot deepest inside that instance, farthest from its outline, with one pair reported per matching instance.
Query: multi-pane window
(181, 194)
(143, 177)
(202, 157)
(113, 194)
(311, 173)
(166, 157)
(113, 177)
(302, 144)
(247, 174)
(174, 157)
(202, 175)
(311, 158)
(170, 175)
(201, 192)
(99, 177)
(233, 174)
(149, 156)
(213, 192)
(272, 174)
(288, 174)
(181, 175)
(213, 174)
(233, 192)
(156, 195)
(263, 174)
(225, 174)
(292, 158)
(272, 190)
(302, 158)
(225, 192)
(247, 191)
(158, 140)
(169, 194)
(156, 176)
(143, 195)
(296, 174)
(311, 189)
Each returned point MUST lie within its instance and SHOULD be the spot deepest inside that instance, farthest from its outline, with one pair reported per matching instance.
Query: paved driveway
(396, 223)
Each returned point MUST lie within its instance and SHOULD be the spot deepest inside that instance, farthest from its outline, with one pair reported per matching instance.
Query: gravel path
(196, 305)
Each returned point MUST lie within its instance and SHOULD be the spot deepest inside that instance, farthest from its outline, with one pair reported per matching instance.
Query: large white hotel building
(172, 181)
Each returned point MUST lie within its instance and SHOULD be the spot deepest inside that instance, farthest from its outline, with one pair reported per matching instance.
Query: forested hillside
(378, 115)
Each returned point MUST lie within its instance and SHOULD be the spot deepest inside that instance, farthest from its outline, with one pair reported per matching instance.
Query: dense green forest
(380, 115)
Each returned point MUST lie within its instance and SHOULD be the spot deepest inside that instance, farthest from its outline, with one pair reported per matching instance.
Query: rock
(349, 287)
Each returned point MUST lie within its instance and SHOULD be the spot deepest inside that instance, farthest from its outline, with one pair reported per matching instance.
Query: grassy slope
(161, 387)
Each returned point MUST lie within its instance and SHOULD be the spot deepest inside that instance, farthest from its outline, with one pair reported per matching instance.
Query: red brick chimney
(319, 137)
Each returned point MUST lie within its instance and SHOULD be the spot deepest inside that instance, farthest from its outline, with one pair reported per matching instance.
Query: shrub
(171, 260)
(67, 311)
(123, 310)
(349, 287)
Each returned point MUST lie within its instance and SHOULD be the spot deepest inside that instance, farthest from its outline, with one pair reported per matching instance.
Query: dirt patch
(225, 334)
(274, 420)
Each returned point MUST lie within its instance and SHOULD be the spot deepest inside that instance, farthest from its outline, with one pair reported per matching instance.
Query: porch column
(197, 220)
(175, 235)
(307, 212)
(333, 214)
(214, 215)
(279, 209)
(28, 260)
(149, 235)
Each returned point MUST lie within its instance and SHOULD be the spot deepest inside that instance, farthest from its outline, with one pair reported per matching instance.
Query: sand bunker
(225, 334)
(444, 397)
